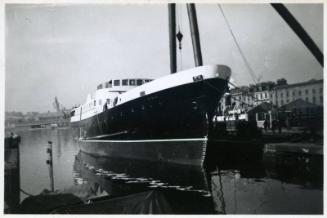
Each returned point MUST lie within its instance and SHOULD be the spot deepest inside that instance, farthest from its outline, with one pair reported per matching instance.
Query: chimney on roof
(281, 81)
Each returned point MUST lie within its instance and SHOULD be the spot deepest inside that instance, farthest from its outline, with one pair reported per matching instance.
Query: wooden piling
(50, 164)
(12, 174)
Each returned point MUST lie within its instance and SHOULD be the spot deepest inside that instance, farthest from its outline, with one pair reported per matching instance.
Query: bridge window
(109, 84)
(125, 82)
(95, 102)
(99, 86)
(132, 82)
(116, 82)
(139, 82)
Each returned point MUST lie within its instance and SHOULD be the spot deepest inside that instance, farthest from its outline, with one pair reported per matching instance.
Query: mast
(172, 36)
(194, 34)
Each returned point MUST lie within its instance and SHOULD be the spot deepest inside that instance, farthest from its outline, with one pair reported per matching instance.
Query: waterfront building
(285, 100)
(310, 91)
(247, 97)
(279, 93)
(13, 119)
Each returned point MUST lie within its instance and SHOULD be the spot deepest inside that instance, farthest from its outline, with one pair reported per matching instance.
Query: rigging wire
(250, 70)
(180, 60)
(179, 35)
(179, 14)
(180, 28)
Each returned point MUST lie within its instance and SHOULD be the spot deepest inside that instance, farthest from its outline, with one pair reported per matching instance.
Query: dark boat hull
(176, 113)
(185, 152)
(171, 125)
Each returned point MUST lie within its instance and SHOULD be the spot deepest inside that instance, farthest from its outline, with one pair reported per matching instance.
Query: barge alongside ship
(167, 119)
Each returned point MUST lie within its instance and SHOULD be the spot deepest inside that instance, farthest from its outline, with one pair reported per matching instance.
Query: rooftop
(312, 81)
(270, 86)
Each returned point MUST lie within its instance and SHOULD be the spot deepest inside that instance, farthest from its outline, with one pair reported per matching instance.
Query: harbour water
(235, 182)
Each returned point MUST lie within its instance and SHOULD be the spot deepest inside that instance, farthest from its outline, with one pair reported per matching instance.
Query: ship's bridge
(122, 85)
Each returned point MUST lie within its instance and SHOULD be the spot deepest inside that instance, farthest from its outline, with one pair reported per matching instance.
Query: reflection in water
(301, 169)
(269, 183)
(184, 188)
(218, 193)
(33, 156)
(59, 152)
(237, 179)
(160, 174)
(267, 196)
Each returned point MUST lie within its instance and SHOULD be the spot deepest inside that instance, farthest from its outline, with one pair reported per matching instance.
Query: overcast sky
(66, 50)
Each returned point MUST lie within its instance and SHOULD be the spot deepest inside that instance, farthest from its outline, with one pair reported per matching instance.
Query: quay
(270, 137)
(40, 124)
(296, 147)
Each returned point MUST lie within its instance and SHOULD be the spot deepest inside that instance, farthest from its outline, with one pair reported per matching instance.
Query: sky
(66, 50)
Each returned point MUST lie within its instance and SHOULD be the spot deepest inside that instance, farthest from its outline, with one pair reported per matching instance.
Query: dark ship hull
(171, 125)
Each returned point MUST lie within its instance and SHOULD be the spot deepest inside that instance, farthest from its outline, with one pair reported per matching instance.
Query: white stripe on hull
(147, 140)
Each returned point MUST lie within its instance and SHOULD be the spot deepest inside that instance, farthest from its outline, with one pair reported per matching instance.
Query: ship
(163, 120)
(168, 119)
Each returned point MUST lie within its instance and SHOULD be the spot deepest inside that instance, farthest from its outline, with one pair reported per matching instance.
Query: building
(247, 97)
(262, 92)
(303, 113)
(13, 119)
(310, 91)
(278, 94)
